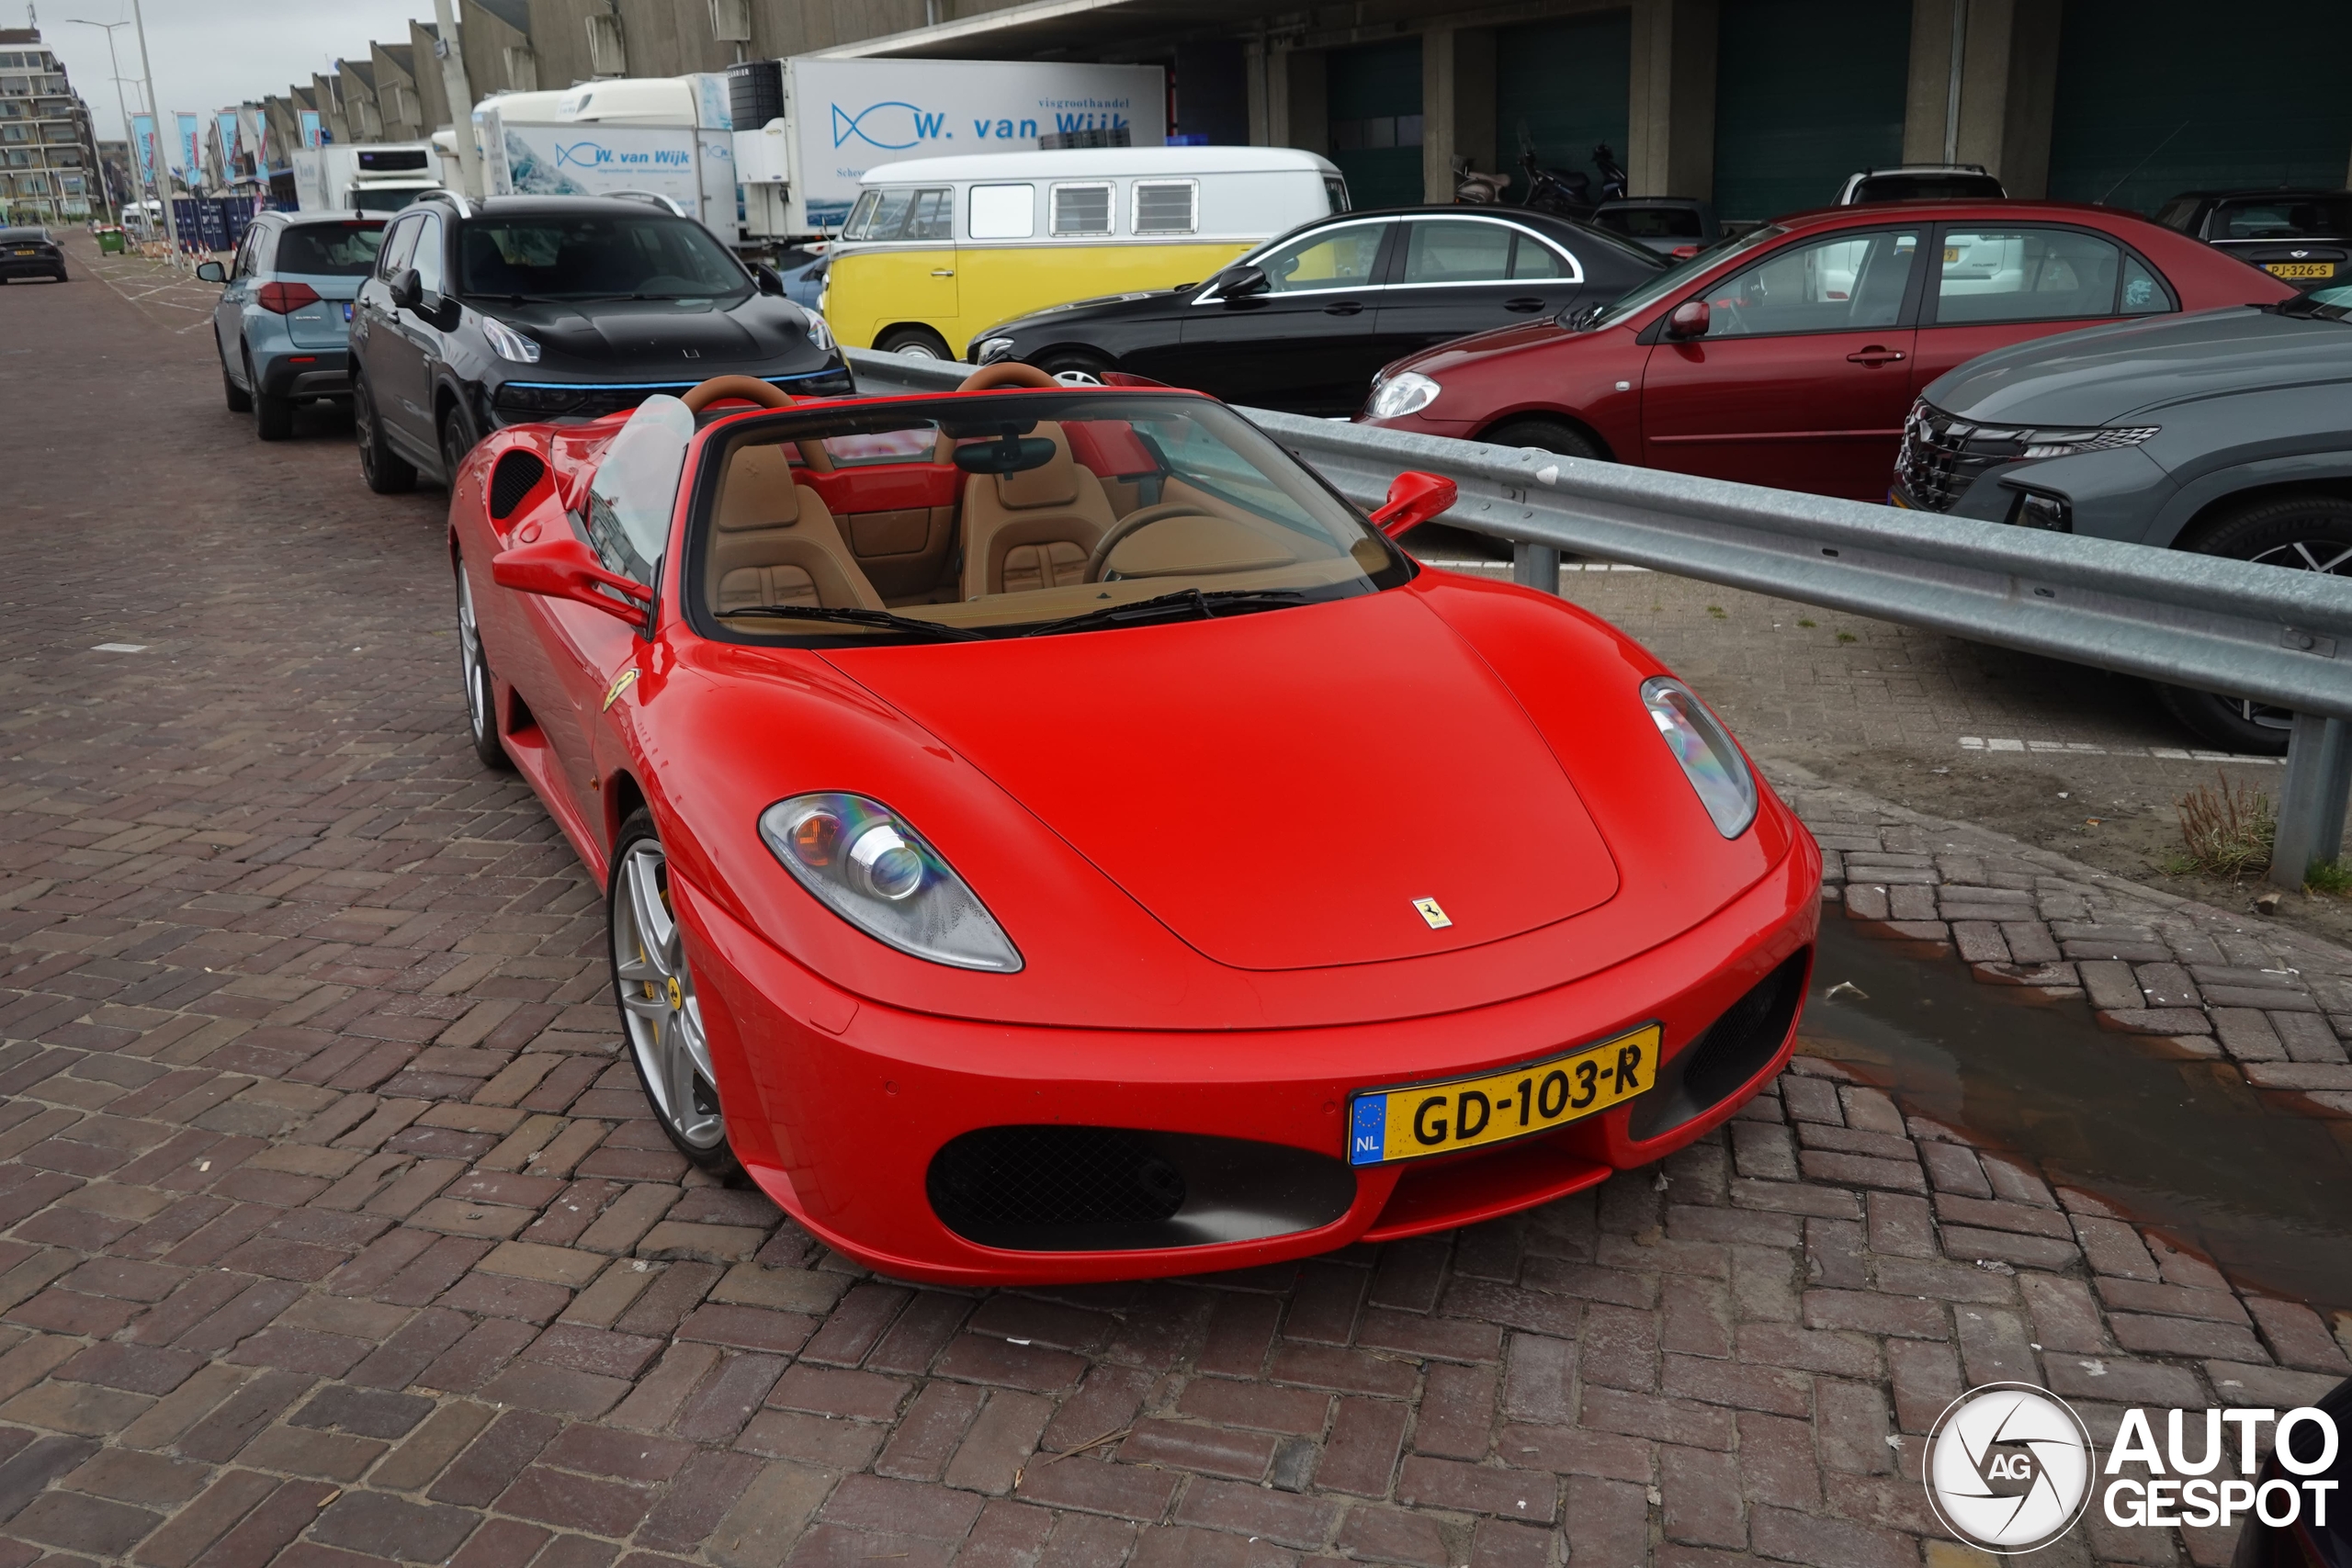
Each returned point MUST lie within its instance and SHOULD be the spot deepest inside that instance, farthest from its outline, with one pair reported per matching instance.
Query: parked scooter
(1568, 193)
(1472, 189)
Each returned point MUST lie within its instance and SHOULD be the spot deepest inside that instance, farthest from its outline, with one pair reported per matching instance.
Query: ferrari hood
(1338, 783)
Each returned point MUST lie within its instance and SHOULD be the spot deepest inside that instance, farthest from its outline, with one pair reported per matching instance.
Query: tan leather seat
(1034, 529)
(775, 542)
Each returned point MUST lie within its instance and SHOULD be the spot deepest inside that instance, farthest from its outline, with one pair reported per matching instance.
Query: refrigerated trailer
(808, 128)
(362, 176)
(658, 136)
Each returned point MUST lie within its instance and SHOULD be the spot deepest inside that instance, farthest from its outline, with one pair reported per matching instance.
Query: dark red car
(1790, 355)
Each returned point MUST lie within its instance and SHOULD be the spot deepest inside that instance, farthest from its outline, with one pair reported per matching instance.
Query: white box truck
(664, 136)
(807, 129)
(381, 176)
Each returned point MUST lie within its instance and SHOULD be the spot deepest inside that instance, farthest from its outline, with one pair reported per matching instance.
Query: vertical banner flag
(142, 137)
(225, 123)
(310, 136)
(191, 160)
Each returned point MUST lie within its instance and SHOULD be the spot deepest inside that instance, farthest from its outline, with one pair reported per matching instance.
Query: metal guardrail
(2191, 620)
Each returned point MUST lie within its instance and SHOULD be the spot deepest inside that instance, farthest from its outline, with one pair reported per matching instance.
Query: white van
(937, 249)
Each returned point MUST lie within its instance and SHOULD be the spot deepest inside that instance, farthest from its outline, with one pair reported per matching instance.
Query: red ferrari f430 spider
(1050, 835)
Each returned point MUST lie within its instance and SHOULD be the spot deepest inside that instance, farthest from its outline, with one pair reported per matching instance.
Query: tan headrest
(1051, 484)
(759, 491)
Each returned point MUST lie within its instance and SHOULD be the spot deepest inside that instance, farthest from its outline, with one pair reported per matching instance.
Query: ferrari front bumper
(840, 1108)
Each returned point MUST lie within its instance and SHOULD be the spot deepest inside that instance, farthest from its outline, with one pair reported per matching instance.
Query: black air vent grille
(1052, 1175)
(514, 478)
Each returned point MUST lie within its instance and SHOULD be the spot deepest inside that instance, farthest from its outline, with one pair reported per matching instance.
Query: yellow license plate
(29, 253)
(1951, 254)
(1420, 1120)
(2299, 269)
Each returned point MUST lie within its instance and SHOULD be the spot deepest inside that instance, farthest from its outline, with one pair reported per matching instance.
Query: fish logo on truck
(877, 124)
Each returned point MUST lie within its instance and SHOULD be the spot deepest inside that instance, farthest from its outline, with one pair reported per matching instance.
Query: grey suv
(2227, 432)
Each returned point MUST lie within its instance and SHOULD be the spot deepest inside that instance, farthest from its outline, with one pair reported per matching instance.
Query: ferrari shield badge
(1429, 911)
(621, 682)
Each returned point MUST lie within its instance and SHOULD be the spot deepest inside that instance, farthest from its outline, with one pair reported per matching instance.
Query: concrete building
(49, 159)
(1762, 106)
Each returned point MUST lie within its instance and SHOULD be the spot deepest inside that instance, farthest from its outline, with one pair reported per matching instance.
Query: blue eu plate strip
(1368, 1135)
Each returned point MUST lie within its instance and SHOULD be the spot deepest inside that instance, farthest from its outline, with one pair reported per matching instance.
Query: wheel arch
(887, 328)
(2214, 513)
(623, 799)
(1556, 416)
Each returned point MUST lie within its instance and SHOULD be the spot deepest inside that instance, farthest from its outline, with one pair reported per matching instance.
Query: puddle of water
(2263, 1189)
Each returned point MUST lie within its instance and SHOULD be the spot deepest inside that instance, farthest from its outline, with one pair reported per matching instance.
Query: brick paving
(335, 1233)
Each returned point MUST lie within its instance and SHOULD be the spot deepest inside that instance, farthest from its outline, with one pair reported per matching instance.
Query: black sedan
(30, 253)
(520, 309)
(1304, 321)
(2302, 236)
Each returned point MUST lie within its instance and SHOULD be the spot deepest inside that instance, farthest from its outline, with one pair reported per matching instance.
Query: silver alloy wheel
(476, 671)
(2301, 555)
(658, 1003)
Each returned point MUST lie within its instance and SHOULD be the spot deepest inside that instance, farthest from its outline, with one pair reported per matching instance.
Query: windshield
(1674, 277)
(1003, 513)
(634, 256)
(2286, 218)
(2330, 304)
(329, 250)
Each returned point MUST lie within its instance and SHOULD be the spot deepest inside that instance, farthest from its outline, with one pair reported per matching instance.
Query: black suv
(2302, 236)
(520, 309)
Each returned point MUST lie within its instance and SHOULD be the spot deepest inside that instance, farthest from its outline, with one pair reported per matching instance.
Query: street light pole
(171, 222)
(122, 106)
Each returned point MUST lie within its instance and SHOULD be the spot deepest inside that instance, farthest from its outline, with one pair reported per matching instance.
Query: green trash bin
(110, 241)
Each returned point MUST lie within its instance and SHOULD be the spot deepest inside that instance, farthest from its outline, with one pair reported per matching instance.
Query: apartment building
(48, 163)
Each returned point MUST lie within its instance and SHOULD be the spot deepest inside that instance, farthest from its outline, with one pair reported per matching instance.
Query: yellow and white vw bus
(937, 248)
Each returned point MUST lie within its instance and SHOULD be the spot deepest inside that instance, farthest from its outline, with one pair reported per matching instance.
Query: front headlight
(508, 343)
(992, 350)
(819, 332)
(2075, 443)
(1718, 774)
(1407, 393)
(869, 867)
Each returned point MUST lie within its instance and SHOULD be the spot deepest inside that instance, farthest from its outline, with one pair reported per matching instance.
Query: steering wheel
(1134, 523)
(1006, 373)
(750, 389)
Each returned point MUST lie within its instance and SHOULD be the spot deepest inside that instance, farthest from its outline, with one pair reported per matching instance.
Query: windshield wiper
(1184, 602)
(881, 620)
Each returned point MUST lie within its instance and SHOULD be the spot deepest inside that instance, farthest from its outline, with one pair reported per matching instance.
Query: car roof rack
(455, 198)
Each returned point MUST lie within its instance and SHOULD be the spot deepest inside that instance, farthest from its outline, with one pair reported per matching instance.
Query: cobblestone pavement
(335, 1231)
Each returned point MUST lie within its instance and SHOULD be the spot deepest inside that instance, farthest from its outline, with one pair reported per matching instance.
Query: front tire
(273, 417)
(481, 692)
(2301, 533)
(915, 342)
(1547, 435)
(386, 471)
(1073, 362)
(660, 1015)
(456, 441)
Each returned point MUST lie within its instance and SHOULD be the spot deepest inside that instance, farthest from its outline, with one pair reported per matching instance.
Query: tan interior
(775, 543)
(1034, 529)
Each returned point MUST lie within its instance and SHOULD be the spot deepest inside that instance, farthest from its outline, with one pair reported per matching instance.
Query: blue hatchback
(285, 312)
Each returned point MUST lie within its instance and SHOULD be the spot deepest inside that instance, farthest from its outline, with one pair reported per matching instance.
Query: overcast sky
(209, 55)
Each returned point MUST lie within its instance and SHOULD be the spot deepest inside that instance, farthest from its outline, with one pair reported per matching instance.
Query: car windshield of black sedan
(595, 257)
(1010, 513)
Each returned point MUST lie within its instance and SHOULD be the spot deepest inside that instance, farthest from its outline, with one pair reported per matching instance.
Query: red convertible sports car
(1049, 835)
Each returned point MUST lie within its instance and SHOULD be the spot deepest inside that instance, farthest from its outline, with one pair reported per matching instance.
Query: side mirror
(1689, 321)
(211, 272)
(408, 289)
(1241, 282)
(768, 279)
(566, 569)
(1413, 499)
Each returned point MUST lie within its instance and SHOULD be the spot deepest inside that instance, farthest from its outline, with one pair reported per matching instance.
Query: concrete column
(1257, 62)
(1670, 142)
(1306, 117)
(1994, 109)
(1457, 105)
